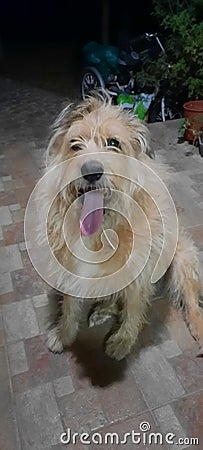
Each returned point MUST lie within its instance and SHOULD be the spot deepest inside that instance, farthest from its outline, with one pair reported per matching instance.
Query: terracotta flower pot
(193, 113)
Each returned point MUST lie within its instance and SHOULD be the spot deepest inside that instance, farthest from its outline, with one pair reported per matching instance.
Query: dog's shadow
(98, 368)
(91, 360)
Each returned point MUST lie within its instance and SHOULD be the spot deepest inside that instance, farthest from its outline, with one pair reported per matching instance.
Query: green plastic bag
(138, 103)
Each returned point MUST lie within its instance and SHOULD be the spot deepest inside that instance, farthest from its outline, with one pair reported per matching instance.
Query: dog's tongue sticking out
(92, 212)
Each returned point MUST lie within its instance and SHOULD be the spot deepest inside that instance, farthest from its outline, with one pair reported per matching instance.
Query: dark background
(42, 40)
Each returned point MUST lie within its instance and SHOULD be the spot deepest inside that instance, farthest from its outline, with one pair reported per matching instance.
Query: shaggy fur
(83, 129)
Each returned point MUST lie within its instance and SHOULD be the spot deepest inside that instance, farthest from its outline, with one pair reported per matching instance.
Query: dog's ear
(58, 131)
(141, 136)
(68, 115)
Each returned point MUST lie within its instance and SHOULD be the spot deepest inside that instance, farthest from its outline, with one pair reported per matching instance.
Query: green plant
(153, 72)
(186, 124)
(183, 27)
(181, 131)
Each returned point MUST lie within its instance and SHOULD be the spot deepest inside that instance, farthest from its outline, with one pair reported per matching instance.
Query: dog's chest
(98, 259)
(89, 262)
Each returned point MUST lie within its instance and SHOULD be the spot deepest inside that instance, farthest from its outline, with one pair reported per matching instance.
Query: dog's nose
(92, 171)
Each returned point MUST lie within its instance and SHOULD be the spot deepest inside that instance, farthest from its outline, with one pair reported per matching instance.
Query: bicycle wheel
(91, 80)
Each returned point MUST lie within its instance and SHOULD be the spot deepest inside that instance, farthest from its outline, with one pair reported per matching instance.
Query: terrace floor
(41, 394)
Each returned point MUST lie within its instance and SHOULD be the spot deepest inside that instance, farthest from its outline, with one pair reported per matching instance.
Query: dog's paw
(57, 339)
(53, 341)
(118, 346)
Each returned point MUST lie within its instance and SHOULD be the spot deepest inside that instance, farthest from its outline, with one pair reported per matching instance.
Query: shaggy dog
(94, 129)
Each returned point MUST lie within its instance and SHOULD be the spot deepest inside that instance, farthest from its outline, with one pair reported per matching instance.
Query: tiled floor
(41, 394)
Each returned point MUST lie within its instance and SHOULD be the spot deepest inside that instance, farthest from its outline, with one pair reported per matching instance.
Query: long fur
(88, 125)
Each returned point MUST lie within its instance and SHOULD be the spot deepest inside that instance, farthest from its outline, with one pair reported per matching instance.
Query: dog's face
(87, 136)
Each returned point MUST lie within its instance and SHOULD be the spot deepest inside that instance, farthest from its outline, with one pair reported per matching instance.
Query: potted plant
(193, 113)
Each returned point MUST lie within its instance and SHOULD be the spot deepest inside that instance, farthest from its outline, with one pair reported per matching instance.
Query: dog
(92, 137)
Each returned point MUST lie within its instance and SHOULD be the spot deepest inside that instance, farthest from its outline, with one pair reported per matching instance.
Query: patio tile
(7, 178)
(1, 185)
(18, 183)
(9, 439)
(14, 207)
(5, 216)
(24, 246)
(63, 386)
(188, 368)
(43, 366)
(156, 377)
(83, 410)
(8, 184)
(39, 418)
(6, 285)
(7, 198)
(42, 315)
(18, 215)
(13, 233)
(170, 349)
(27, 283)
(189, 412)
(20, 320)
(40, 300)
(168, 423)
(10, 258)
(189, 212)
(22, 195)
(122, 399)
(1, 330)
(17, 358)
(7, 298)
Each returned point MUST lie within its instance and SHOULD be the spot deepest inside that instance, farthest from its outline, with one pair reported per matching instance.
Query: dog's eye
(75, 146)
(111, 142)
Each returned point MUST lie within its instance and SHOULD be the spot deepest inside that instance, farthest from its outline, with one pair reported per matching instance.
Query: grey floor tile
(156, 377)
(38, 417)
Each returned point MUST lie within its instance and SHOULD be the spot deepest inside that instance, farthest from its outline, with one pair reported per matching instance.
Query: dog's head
(87, 136)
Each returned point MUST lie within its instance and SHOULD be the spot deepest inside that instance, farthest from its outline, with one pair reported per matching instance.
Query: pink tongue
(92, 213)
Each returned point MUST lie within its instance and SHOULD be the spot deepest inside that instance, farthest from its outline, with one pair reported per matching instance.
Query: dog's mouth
(105, 190)
(93, 208)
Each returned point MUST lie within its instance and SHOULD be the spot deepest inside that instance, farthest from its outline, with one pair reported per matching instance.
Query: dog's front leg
(63, 332)
(132, 317)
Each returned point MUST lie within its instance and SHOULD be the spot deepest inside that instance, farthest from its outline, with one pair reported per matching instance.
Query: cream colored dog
(90, 129)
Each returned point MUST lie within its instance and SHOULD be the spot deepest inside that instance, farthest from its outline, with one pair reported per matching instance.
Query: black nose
(92, 171)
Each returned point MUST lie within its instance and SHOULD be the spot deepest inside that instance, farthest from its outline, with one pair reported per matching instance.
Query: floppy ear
(58, 131)
(68, 115)
(141, 135)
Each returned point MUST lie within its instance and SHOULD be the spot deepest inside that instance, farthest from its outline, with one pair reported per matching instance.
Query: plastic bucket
(193, 112)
